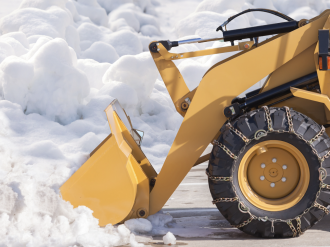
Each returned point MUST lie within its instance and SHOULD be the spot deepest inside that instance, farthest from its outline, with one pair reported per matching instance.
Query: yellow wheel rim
(273, 175)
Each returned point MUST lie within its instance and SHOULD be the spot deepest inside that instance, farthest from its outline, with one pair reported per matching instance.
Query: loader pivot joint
(233, 110)
(153, 47)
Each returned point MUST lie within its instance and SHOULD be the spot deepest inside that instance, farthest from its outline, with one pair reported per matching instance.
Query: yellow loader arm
(119, 183)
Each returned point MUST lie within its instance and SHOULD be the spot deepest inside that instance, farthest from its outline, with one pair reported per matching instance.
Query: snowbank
(61, 63)
(211, 13)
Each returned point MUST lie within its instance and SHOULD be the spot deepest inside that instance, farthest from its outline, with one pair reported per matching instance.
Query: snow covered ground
(61, 63)
(7, 7)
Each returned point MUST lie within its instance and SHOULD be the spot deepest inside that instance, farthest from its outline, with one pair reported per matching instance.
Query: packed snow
(61, 63)
(169, 239)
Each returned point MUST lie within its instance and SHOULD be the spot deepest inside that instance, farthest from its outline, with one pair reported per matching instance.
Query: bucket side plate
(103, 184)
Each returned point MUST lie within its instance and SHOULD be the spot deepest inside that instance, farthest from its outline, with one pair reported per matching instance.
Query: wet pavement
(203, 225)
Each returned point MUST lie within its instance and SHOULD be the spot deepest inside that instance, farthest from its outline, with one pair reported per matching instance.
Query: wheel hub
(270, 165)
(273, 175)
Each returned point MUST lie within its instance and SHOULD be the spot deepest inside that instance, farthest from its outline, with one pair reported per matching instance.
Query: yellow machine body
(115, 181)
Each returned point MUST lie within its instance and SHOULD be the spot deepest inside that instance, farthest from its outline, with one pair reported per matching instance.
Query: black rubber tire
(222, 165)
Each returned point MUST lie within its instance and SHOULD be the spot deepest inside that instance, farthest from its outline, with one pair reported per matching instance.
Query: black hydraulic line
(278, 91)
(280, 101)
(273, 12)
(238, 34)
(251, 32)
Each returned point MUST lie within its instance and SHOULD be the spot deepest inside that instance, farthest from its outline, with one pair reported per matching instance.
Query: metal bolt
(262, 177)
(176, 56)
(274, 160)
(283, 179)
(158, 49)
(142, 213)
(157, 44)
(284, 167)
(272, 185)
(181, 55)
(188, 100)
(171, 57)
(263, 165)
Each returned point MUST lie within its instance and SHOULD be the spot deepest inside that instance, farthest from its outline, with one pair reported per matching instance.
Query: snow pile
(212, 13)
(45, 220)
(65, 92)
(139, 225)
(56, 79)
(7, 199)
(62, 62)
(169, 239)
(160, 219)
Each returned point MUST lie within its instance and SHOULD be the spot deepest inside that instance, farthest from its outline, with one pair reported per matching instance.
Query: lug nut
(262, 177)
(274, 160)
(272, 185)
(284, 167)
(263, 165)
(283, 179)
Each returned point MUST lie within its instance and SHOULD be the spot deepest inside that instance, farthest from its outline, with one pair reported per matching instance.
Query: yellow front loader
(268, 170)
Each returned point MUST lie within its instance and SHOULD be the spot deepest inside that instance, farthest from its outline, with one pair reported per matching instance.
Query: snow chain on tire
(296, 231)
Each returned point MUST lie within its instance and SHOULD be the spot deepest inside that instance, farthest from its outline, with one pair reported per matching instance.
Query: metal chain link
(224, 200)
(248, 221)
(295, 232)
(224, 148)
(317, 135)
(244, 209)
(237, 132)
(298, 226)
(327, 155)
(291, 129)
(317, 205)
(289, 119)
(217, 179)
(289, 222)
(310, 145)
(325, 186)
(269, 120)
(322, 174)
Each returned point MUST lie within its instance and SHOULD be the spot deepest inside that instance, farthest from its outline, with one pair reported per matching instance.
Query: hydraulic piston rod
(232, 35)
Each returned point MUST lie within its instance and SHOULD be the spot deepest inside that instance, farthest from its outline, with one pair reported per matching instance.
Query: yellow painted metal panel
(112, 182)
(301, 65)
(172, 77)
(312, 109)
(98, 185)
(324, 76)
(322, 98)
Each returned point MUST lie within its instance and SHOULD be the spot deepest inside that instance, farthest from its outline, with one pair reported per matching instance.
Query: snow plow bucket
(115, 181)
